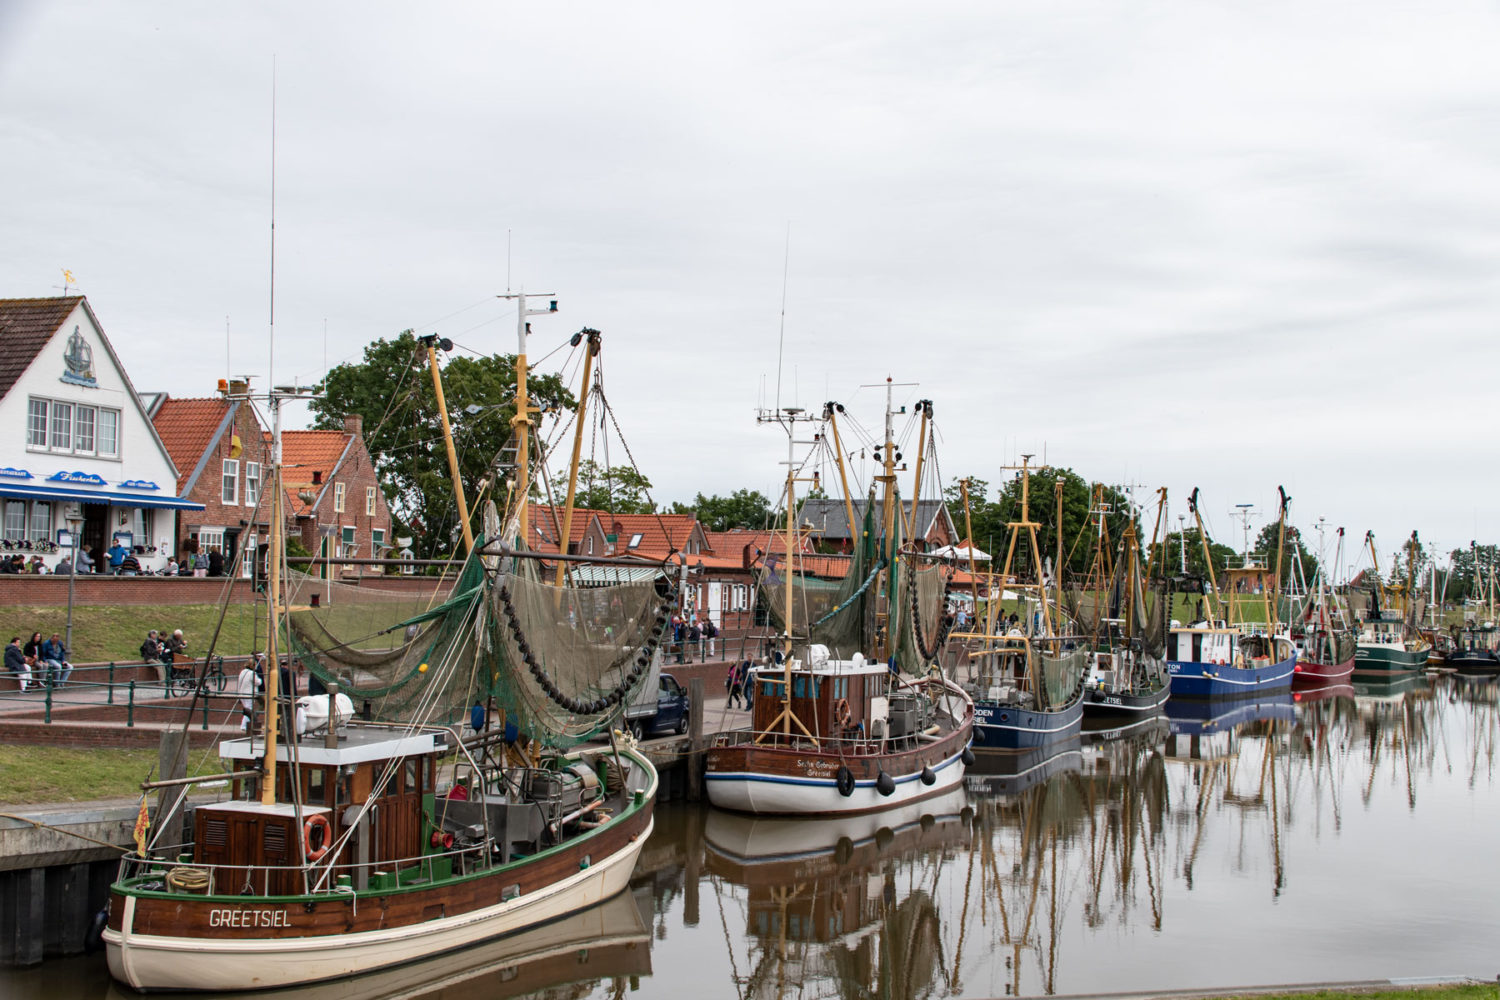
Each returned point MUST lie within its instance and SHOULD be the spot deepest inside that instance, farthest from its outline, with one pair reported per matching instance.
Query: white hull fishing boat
(348, 846)
(835, 736)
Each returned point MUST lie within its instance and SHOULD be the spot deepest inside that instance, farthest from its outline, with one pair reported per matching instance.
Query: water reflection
(1338, 834)
(847, 902)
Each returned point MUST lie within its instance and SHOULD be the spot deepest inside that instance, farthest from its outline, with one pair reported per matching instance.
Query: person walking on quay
(710, 633)
(695, 640)
(736, 683)
(15, 662)
(247, 685)
(55, 656)
(215, 562)
(677, 636)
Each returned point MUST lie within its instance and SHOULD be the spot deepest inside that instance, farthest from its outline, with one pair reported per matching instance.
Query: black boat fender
(93, 939)
(845, 781)
(928, 777)
(967, 757)
(885, 784)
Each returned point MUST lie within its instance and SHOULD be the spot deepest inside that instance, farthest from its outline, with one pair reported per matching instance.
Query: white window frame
(229, 484)
(38, 408)
(114, 419)
(247, 556)
(338, 498)
(80, 447)
(252, 476)
(369, 501)
(45, 430)
(377, 539)
(39, 532)
(15, 521)
(61, 411)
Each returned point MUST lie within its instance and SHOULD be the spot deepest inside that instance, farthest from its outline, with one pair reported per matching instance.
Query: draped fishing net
(560, 662)
(924, 625)
(837, 612)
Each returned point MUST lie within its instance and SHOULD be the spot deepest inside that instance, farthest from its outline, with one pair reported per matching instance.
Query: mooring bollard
(130, 707)
(111, 682)
(205, 708)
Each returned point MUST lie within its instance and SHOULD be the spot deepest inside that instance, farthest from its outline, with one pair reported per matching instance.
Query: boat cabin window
(1197, 656)
(316, 789)
(411, 775)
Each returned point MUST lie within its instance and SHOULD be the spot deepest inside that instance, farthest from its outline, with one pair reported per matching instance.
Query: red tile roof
(661, 534)
(25, 327)
(186, 427)
(306, 452)
(545, 522)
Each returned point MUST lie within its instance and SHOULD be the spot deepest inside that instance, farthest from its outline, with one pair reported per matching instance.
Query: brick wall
(92, 589)
(357, 474)
(209, 489)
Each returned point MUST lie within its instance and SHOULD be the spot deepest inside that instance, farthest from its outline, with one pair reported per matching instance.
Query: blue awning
(66, 494)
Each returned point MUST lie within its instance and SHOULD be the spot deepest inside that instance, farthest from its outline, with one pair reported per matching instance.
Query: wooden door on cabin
(399, 821)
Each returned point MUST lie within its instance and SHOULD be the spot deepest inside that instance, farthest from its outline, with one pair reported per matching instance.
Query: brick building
(223, 460)
(334, 502)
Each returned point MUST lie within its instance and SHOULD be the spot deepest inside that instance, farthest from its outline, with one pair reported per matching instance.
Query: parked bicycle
(182, 677)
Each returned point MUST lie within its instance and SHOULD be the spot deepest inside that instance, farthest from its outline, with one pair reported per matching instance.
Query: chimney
(355, 424)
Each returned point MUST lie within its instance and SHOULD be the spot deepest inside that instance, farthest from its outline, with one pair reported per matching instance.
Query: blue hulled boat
(1214, 660)
(1025, 676)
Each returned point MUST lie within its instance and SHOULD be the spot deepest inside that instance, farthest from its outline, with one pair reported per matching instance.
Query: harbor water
(1349, 834)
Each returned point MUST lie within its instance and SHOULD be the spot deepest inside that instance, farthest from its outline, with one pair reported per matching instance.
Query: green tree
(391, 390)
(1465, 564)
(1265, 545)
(741, 509)
(991, 518)
(620, 489)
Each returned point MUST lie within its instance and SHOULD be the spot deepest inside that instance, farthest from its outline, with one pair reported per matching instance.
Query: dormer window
(635, 540)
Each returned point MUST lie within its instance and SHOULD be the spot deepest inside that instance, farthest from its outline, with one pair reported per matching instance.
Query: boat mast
(1280, 548)
(1161, 509)
(583, 406)
(273, 590)
(522, 420)
(924, 406)
(788, 418)
(432, 342)
(1375, 568)
(1208, 558)
(830, 411)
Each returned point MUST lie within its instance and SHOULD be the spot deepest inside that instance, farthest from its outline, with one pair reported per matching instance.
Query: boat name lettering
(815, 766)
(1110, 699)
(248, 918)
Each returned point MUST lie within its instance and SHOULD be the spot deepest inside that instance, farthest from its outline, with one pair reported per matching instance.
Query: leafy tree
(741, 509)
(1265, 544)
(1485, 559)
(391, 390)
(620, 489)
(991, 518)
(1190, 544)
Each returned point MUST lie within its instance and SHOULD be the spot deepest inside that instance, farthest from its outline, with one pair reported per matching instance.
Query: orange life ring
(312, 823)
(841, 713)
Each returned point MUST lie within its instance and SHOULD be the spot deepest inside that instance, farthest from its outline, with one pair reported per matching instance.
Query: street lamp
(67, 538)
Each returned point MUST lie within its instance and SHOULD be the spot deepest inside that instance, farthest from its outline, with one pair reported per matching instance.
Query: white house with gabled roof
(78, 447)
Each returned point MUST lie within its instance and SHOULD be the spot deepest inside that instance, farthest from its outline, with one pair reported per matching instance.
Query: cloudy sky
(1184, 244)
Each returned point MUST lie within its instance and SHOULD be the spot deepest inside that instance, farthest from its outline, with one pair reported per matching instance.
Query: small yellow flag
(142, 822)
(236, 446)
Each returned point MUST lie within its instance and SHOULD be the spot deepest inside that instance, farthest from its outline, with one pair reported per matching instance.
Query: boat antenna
(786, 257)
(271, 357)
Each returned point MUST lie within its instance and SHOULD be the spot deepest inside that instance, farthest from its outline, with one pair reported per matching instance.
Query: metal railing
(118, 683)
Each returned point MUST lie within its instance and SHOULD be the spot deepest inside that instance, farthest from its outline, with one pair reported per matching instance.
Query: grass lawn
(43, 774)
(1483, 991)
(115, 632)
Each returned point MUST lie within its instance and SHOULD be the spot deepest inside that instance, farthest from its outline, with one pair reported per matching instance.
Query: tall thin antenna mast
(507, 262)
(271, 358)
(786, 257)
(228, 360)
